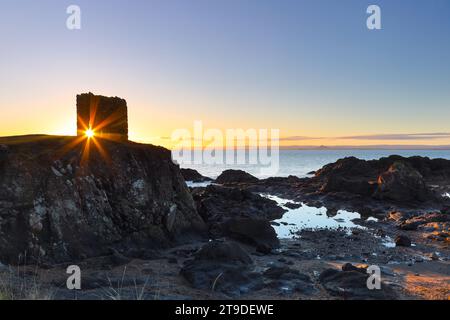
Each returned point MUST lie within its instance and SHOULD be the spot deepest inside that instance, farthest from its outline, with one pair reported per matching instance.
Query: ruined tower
(106, 116)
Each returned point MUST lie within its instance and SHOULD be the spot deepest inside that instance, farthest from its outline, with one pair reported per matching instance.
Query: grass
(117, 292)
(16, 285)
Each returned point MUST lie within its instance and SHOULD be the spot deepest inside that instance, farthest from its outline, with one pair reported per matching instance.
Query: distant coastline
(370, 147)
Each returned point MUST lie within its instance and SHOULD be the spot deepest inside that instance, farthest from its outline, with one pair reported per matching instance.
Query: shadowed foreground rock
(57, 204)
(222, 266)
(352, 284)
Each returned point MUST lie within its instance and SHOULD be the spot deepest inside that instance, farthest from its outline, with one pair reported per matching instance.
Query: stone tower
(107, 116)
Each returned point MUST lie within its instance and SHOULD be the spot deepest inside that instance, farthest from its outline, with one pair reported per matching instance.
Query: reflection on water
(307, 217)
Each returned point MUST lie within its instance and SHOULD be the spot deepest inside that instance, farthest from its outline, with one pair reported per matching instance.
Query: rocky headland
(126, 216)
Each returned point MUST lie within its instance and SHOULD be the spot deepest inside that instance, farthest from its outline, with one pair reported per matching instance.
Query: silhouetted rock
(59, 203)
(235, 176)
(193, 175)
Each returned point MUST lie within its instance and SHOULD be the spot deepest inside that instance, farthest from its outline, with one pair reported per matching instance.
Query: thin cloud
(406, 136)
(379, 137)
(298, 138)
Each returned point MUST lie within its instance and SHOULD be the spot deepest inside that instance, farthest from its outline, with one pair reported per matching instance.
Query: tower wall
(107, 116)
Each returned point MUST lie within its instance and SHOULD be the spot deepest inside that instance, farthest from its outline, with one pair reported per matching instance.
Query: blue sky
(309, 68)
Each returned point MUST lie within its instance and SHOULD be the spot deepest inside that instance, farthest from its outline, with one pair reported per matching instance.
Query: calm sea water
(300, 162)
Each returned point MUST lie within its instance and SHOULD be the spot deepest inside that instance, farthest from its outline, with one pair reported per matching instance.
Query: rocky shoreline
(163, 240)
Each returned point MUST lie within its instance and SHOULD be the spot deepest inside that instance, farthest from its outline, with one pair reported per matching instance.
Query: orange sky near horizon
(152, 125)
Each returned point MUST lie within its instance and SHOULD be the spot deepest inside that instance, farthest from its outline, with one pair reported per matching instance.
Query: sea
(301, 162)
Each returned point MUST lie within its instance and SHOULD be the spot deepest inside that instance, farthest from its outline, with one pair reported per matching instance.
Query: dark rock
(255, 232)
(402, 241)
(288, 279)
(415, 222)
(285, 273)
(193, 175)
(292, 205)
(235, 176)
(350, 267)
(395, 179)
(346, 175)
(220, 205)
(402, 183)
(219, 251)
(336, 183)
(263, 249)
(397, 216)
(172, 260)
(57, 205)
(353, 285)
(224, 267)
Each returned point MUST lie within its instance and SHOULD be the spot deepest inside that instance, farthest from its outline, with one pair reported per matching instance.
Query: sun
(89, 133)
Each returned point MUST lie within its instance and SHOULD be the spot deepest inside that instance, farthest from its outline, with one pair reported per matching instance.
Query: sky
(310, 68)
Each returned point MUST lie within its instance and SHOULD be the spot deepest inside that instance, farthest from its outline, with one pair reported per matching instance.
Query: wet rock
(292, 205)
(235, 176)
(402, 241)
(193, 175)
